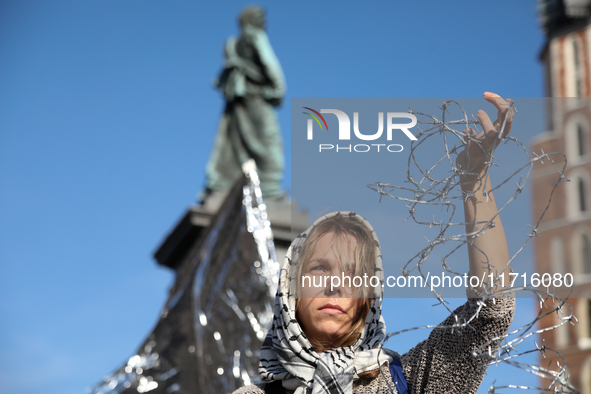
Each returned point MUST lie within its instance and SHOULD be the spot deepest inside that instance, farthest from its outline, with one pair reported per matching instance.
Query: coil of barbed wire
(426, 187)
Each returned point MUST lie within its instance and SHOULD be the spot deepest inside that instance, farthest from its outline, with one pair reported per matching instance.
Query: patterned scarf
(287, 355)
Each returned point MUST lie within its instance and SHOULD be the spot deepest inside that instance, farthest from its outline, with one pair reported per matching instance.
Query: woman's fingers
(500, 104)
(485, 122)
(509, 116)
(480, 147)
(469, 135)
(488, 127)
(489, 130)
(505, 112)
(495, 100)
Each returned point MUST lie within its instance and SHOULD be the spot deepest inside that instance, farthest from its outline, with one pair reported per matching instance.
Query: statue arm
(275, 88)
(234, 61)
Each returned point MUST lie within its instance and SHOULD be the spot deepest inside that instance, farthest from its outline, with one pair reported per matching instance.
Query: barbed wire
(438, 185)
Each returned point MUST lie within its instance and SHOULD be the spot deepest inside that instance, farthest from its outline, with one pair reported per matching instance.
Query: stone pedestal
(287, 221)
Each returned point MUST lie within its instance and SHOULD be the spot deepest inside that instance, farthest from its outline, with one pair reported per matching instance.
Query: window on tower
(578, 71)
(582, 194)
(580, 140)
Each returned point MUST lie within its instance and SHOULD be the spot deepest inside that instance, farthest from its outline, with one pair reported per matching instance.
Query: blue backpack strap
(398, 377)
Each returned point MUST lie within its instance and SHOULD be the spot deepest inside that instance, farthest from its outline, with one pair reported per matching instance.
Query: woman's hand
(488, 252)
(479, 148)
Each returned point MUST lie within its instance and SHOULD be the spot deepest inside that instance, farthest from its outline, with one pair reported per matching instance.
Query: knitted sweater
(444, 362)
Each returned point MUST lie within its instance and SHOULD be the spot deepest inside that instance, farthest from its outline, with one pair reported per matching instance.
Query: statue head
(254, 16)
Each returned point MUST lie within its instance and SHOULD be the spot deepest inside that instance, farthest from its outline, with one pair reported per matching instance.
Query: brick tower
(566, 227)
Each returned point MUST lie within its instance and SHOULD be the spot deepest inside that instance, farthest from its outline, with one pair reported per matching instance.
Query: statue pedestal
(287, 221)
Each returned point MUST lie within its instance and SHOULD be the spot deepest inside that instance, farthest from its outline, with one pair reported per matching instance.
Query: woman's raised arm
(487, 251)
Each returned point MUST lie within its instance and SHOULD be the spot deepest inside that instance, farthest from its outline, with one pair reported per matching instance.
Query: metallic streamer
(220, 307)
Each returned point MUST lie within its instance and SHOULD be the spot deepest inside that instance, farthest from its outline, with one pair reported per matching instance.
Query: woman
(326, 337)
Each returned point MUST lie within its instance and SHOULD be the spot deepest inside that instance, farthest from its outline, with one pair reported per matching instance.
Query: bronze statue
(252, 83)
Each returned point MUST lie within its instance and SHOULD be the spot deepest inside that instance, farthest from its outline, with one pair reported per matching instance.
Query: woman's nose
(336, 291)
(333, 288)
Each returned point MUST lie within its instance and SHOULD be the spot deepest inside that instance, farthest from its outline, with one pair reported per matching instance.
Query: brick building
(566, 227)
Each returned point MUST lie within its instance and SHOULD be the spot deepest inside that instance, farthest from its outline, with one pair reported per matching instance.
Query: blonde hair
(346, 228)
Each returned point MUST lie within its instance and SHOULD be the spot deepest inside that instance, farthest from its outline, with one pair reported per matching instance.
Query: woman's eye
(318, 268)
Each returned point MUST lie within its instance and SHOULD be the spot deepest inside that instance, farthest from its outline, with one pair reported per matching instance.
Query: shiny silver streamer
(220, 307)
(430, 189)
(259, 225)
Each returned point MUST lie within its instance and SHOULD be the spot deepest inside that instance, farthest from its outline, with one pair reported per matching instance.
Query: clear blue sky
(107, 117)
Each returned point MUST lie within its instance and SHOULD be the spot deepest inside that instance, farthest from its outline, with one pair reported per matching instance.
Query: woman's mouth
(332, 309)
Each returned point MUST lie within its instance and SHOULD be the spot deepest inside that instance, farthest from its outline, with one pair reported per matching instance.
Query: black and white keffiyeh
(287, 355)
